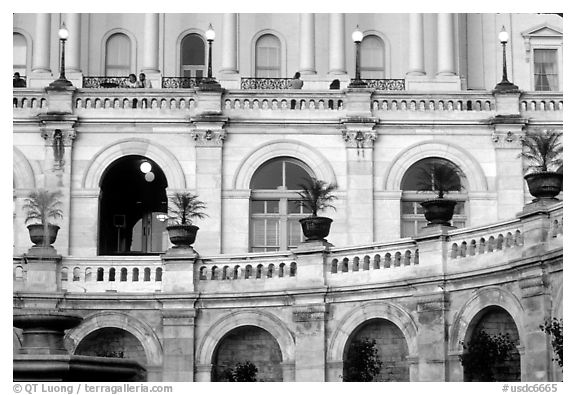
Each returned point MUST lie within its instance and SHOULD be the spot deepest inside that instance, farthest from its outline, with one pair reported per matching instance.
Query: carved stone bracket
(310, 313)
(209, 130)
(209, 136)
(58, 134)
(359, 133)
(533, 285)
(507, 139)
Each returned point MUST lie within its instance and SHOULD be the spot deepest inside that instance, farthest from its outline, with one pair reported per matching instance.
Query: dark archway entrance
(494, 320)
(132, 207)
(391, 345)
(248, 343)
(116, 343)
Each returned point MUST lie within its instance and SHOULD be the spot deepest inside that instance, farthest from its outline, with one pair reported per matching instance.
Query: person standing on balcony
(132, 82)
(18, 82)
(296, 82)
(143, 82)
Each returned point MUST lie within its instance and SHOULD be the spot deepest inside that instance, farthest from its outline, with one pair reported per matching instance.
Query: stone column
(337, 59)
(59, 133)
(307, 44)
(416, 37)
(209, 135)
(178, 344)
(41, 47)
(310, 323)
(151, 43)
(229, 43)
(359, 138)
(73, 24)
(445, 45)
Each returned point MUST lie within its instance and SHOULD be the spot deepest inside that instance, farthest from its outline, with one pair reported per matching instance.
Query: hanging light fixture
(145, 167)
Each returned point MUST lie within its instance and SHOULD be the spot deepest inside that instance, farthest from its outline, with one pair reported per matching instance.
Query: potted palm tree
(316, 195)
(40, 206)
(544, 152)
(184, 207)
(439, 177)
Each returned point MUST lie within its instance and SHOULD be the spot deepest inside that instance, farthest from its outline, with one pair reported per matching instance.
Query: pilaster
(43, 272)
(59, 133)
(432, 335)
(359, 136)
(537, 358)
(178, 346)
(310, 328)
(506, 135)
(209, 134)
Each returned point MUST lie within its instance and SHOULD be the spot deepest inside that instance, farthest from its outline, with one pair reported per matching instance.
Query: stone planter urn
(316, 228)
(439, 211)
(43, 235)
(544, 185)
(182, 236)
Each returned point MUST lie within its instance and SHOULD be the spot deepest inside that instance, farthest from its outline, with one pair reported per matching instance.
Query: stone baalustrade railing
(432, 102)
(466, 251)
(250, 102)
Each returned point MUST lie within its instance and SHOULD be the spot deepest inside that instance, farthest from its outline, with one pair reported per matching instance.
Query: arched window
(412, 213)
(372, 57)
(118, 54)
(192, 56)
(275, 208)
(19, 53)
(268, 57)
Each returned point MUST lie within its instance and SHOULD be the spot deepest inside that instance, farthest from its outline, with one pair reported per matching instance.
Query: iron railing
(180, 82)
(104, 82)
(387, 84)
(264, 83)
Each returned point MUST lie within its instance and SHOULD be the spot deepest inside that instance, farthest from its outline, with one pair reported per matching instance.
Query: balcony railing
(264, 83)
(180, 82)
(104, 82)
(387, 84)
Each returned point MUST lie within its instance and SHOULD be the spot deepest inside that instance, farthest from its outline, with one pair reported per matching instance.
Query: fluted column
(337, 60)
(445, 44)
(307, 44)
(230, 43)
(416, 40)
(73, 24)
(41, 47)
(151, 43)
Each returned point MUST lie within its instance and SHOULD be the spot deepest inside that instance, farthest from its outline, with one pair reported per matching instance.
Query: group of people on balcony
(142, 81)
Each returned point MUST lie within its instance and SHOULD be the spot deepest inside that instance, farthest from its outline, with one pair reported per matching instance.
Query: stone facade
(420, 297)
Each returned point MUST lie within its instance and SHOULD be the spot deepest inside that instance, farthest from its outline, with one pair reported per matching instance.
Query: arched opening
(192, 56)
(372, 58)
(274, 206)
(248, 343)
(132, 207)
(391, 346)
(268, 57)
(494, 321)
(412, 213)
(114, 342)
(19, 54)
(118, 53)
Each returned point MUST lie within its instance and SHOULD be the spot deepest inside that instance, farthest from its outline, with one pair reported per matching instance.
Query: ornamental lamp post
(504, 85)
(62, 82)
(357, 37)
(209, 83)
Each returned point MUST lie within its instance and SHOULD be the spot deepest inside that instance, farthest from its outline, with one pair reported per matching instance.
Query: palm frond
(439, 177)
(543, 151)
(184, 207)
(317, 195)
(41, 205)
